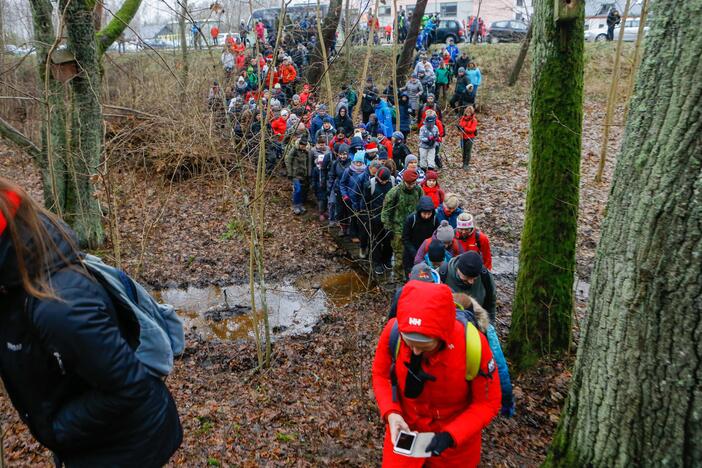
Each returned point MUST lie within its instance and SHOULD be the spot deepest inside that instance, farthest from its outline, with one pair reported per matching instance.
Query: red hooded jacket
(448, 404)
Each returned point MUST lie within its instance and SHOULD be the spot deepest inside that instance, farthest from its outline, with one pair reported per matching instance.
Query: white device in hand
(413, 444)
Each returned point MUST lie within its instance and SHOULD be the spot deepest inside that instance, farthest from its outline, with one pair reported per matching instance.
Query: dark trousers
(381, 244)
(366, 115)
(610, 33)
(441, 90)
(467, 150)
(459, 100)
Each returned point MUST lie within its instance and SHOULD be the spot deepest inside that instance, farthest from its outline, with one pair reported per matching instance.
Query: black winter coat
(416, 230)
(72, 376)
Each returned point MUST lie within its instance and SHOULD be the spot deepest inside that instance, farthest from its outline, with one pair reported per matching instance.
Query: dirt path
(315, 406)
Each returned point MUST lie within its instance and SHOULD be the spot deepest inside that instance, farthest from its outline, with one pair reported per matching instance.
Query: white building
(461, 10)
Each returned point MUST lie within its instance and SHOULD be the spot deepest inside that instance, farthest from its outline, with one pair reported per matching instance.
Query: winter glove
(439, 443)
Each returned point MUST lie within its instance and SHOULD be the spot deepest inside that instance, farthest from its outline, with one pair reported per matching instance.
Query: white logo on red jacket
(415, 321)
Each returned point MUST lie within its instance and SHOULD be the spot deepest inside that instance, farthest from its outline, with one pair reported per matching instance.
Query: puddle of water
(293, 309)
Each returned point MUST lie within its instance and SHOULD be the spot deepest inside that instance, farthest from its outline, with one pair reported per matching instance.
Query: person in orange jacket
(427, 389)
(469, 129)
(288, 74)
(471, 238)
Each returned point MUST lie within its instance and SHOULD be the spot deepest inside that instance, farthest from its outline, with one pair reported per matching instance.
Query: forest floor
(315, 405)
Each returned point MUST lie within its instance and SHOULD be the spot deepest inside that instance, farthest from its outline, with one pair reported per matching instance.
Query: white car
(631, 30)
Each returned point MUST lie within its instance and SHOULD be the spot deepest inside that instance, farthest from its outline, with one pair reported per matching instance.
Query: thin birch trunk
(612, 98)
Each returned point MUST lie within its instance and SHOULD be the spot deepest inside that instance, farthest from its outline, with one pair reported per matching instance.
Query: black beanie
(436, 251)
(470, 264)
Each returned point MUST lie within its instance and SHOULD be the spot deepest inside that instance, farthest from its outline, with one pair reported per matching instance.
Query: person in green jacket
(467, 274)
(351, 96)
(400, 202)
(297, 163)
(443, 76)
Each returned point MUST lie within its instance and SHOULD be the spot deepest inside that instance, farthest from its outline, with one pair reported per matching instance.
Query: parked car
(158, 44)
(631, 31)
(506, 31)
(450, 29)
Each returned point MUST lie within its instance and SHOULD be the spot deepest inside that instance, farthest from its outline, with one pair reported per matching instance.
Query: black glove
(439, 443)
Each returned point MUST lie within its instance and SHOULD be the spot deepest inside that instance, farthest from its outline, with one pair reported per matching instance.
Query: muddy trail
(314, 406)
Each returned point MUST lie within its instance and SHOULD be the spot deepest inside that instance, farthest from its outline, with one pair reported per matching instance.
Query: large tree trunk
(82, 210)
(405, 60)
(636, 393)
(329, 27)
(543, 305)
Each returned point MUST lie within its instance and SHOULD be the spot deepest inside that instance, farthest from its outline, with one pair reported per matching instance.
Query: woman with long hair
(64, 359)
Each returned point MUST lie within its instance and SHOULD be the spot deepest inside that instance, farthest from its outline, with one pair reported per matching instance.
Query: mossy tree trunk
(636, 393)
(404, 62)
(72, 124)
(543, 305)
(82, 210)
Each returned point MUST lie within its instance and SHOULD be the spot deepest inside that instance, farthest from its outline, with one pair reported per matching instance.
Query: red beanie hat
(13, 201)
(409, 175)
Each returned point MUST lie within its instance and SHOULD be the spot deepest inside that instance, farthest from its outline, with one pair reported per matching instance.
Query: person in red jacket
(279, 125)
(288, 74)
(432, 393)
(469, 129)
(305, 94)
(431, 188)
(214, 33)
(473, 239)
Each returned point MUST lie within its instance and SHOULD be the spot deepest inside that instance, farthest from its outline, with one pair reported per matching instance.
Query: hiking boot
(296, 210)
(362, 253)
(388, 265)
(302, 209)
(378, 269)
(342, 231)
(465, 165)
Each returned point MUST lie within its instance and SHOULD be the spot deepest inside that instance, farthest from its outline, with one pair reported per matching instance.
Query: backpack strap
(477, 242)
(473, 351)
(394, 349)
(443, 271)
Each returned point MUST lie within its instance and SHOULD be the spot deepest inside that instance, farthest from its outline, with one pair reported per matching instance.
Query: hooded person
(342, 121)
(384, 114)
(431, 188)
(418, 226)
(449, 209)
(320, 162)
(467, 304)
(426, 376)
(399, 149)
(404, 110)
(341, 214)
(467, 274)
(349, 190)
(445, 235)
(429, 138)
(68, 361)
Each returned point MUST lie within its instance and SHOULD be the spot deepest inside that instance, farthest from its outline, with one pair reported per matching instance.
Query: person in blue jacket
(384, 115)
(474, 78)
(348, 187)
(318, 120)
(68, 360)
(453, 51)
(405, 118)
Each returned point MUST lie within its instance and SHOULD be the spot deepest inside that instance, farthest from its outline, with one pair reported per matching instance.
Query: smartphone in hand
(413, 444)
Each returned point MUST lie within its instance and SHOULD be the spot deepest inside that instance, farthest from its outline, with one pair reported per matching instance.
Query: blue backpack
(160, 331)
